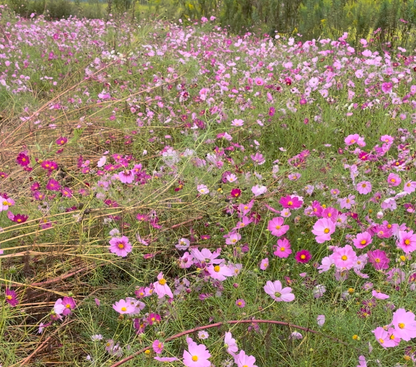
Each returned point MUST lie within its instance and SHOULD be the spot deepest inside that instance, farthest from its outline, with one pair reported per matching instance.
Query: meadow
(172, 194)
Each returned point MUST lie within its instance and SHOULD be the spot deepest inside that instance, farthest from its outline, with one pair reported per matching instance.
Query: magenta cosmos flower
(120, 246)
(364, 187)
(282, 249)
(157, 346)
(404, 323)
(323, 229)
(275, 290)
(53, 185)
(23, 160)
(303, 256)
(378, 259)
(11, 297)
(276, 227)
(290, 202)
(196, 356)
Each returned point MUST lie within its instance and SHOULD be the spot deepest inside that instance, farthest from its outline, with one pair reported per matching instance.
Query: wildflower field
(174, 195)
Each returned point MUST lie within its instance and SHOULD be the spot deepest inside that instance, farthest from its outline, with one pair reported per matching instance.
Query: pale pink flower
(120, 246)
(344, 257)
(282, 249)
(264, 264)
(230, 343)
(220, 272)
(202, 189)
(320, 320)
(404, 323)
(275, 290)
(379, 295)
(394, 179)
(124, 307)
(276, 227)
(196, 356)
(406, 241)
(161, 288)
(258, 190)
(323, 229)
(364, 187)
(243, 360)
(362, 240)
(409, 187)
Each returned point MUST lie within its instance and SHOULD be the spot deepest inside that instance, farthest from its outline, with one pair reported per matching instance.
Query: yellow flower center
(402, 258)
(363, 242)
(282, 249)
(329, 215)
(290, 203)
(162, 281)
(377, 260)
(363, 185)
(407, 242)
(278, 227)
(120, 245)
(9, 297)
(68, 305)
(194, 358)
(344, 257)
(381, 340)
(326, 230)
(401, 325)
(217, 268)
(303, 257)
(124, 309)
(391, 337)
(393, 180)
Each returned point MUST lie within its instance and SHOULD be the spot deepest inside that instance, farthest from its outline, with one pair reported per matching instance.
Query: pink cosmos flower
(157, 346)
(378, 259)
(320, 320)
(166, 359)
(230, 343)
(120, 246)
(202, 189)
(275, 290)
(161, 288)
(123, 307)
(379, 295)
(405, 324)
(220, 272)
(243, 360)
(387, 87)
(387, 339)
(394, 179)
(233, 238)
(362, 240)
(409, 187)
(240, 303)
(364, 187)
(196, 356)
(258, 190)
(264, 264)
(282, 249)
(346, 203)
(276, 227)
(303, 256)
(206, 256)
(406, 241)
(126, 176)
(323, 229)
(290, 202)
(183, 244)
(386, 139)
(351, 139)
(344, 257)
